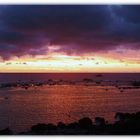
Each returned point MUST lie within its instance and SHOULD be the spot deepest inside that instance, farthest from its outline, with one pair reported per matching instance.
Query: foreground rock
(125, 124)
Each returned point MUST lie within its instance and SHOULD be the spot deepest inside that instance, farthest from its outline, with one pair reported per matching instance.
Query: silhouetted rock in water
(85, 123)
(120, 117)
(138, 114)
(123, 117)
(100, 124)
(6, 131)
(121, 90)
(61, 125)
(126, 124)
(39, 128)
(42, 129)
(106, 89)
(98, 82)
(50, 80)
(87, 80)
(73, 125)
(26, 88)
(99, 121)
(51, 126)
(136, 83)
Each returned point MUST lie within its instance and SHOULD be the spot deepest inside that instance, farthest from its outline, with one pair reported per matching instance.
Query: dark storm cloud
(78, 29)
(126, 23)
(130, 13)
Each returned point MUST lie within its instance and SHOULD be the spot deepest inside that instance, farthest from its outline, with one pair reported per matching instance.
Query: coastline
(125, 124)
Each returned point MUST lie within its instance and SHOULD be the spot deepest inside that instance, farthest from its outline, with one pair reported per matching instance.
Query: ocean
(12, 77)
(21, 108)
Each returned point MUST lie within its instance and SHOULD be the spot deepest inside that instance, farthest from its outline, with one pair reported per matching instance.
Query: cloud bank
(77, 29)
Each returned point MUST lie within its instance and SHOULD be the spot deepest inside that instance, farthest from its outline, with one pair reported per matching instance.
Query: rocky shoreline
(125, 124)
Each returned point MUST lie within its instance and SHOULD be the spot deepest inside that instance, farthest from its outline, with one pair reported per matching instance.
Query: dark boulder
(85, 123)
(99, 121)
(6, 131)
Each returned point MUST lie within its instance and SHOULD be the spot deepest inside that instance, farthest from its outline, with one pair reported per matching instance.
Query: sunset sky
(69, 38)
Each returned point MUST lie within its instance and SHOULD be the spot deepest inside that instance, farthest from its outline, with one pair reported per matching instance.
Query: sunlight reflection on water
(66, 103)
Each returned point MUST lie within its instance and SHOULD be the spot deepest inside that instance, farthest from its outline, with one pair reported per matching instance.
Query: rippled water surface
(20, 108)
